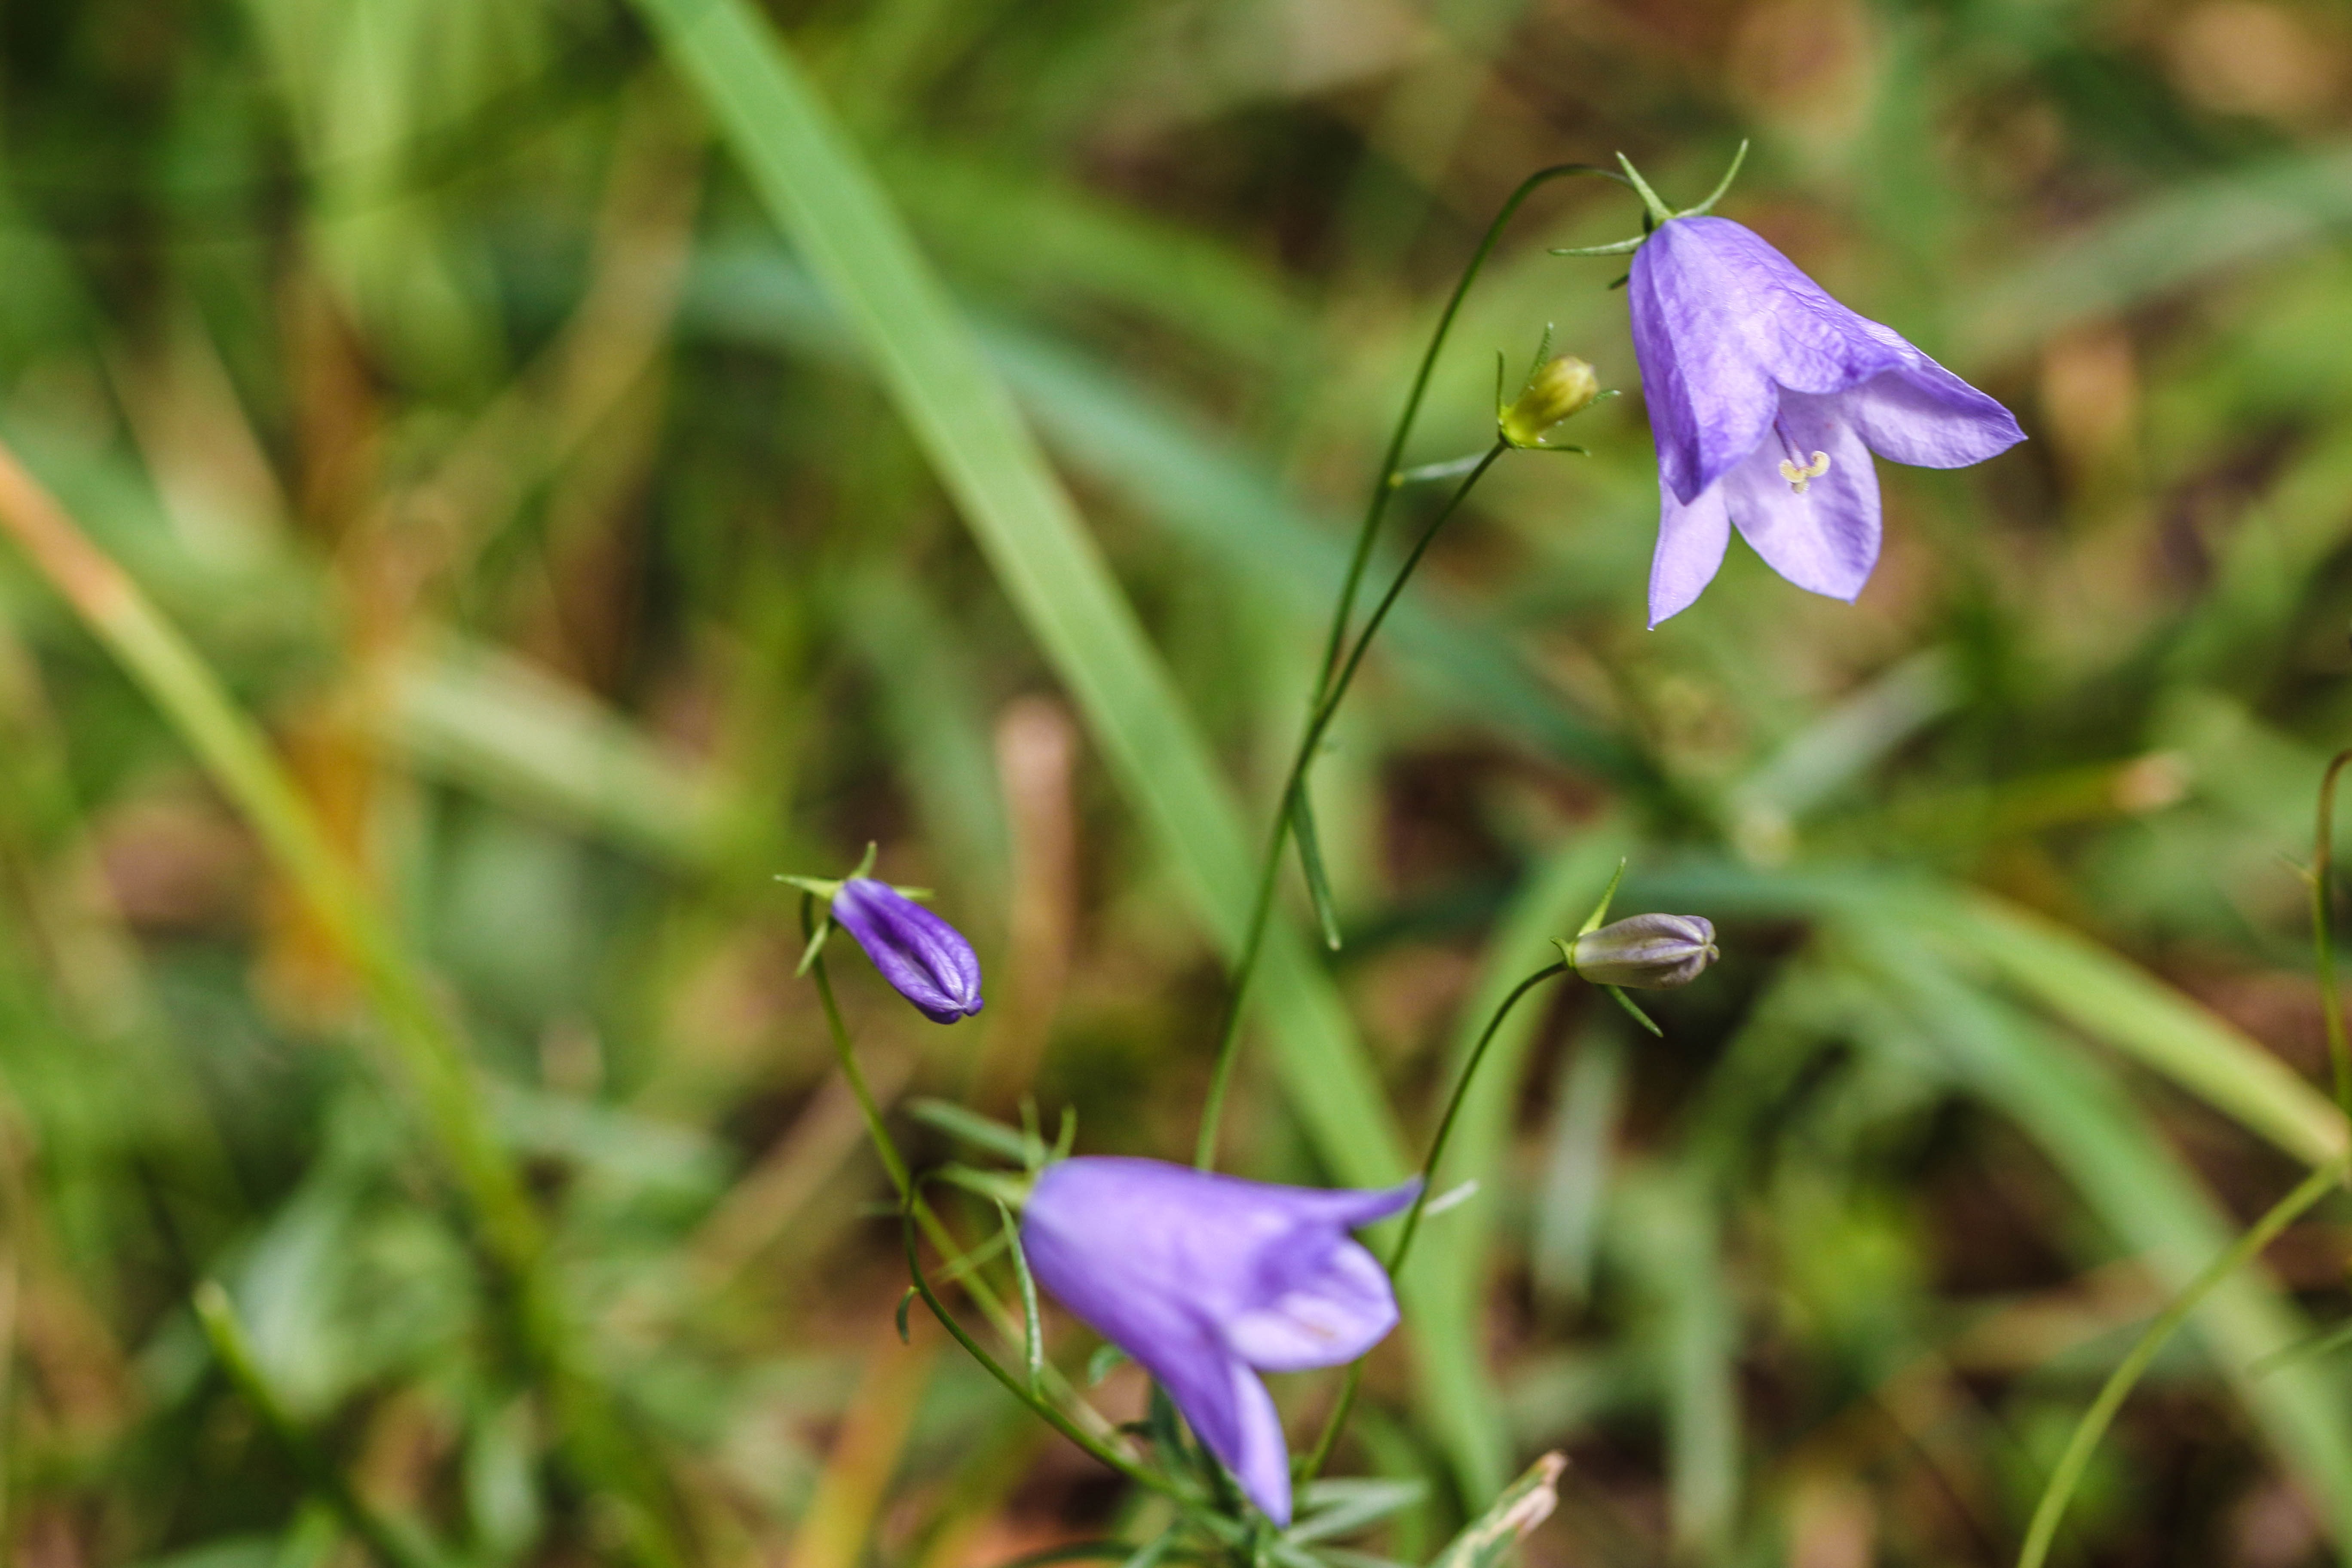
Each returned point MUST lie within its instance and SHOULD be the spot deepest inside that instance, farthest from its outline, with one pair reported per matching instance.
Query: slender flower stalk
(961, 1265)
(1321, 1453)
(1337, 665)
(1657, 951)
(2068, 1472)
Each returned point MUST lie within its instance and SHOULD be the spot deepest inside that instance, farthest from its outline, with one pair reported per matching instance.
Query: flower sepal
(1655, 211)
(1010, 1188)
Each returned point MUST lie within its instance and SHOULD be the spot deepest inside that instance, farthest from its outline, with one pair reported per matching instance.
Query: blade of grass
(394, 1542)
(2139, 1189)
(1167, 465)
(1666, 1227)
(2120, 1383)
(2097, 990)
(176, 678)
(819, 191)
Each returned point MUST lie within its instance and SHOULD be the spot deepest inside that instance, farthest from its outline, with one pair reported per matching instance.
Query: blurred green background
(618, 454)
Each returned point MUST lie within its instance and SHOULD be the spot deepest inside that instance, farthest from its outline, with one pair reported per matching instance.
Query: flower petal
(1721, 322)
(1691, 542)
(1228, 1406)
(1335, 1314)
(1199, 1276)
(1923, 415)
(1824, 537)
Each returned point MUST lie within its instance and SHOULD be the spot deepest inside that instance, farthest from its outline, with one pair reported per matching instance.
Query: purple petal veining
(1767, 398)
(1208, 1280)
(926, 959)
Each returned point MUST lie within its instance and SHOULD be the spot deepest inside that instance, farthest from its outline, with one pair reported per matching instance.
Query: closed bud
(1559, 388)
(926, 959)
(1649, 952)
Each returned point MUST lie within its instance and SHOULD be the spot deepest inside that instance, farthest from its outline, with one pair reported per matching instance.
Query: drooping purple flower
(1766, 397)
(1208, 1280)
(925, 959)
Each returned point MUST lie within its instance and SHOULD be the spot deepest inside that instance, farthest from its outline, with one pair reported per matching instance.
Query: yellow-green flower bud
(1559, 388)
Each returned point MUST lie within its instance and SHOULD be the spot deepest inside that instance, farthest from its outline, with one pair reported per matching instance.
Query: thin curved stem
(2096, 1419)
(1321, 1452)
(2331, 1000)
(1377, 507)
(1330, 707)
(1051, 1413)
(1326, 707)
(1335, 642)
(876, 1130)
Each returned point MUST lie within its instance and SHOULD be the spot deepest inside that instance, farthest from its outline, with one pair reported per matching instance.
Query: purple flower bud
(1650, 952)
(1207, 1280)
(1767, 397)
(925, 959)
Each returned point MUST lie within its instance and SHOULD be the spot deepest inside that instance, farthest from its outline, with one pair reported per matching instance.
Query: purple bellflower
(926, 959)
(1208, 1280)
(1767, 397)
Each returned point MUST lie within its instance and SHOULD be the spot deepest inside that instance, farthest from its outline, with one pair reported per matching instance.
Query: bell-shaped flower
(1767, 398)
(926, 959)
(1208, 1280)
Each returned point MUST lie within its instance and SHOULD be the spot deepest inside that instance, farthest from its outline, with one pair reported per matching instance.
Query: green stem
(1326, 707)
(1321, 1452)
(876, 1130)
(394, 1545)
(1052, 1415)
(908, 1188)
(2331, 1000)
(1335, 640)
(2096, 1420)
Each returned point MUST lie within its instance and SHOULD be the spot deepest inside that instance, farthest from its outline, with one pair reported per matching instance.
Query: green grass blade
(2140, 1190)
(833, 209)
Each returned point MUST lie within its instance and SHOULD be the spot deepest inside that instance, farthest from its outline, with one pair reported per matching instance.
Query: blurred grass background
(535, 416)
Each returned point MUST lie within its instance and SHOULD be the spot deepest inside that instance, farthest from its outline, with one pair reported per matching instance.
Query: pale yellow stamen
(1799, 477)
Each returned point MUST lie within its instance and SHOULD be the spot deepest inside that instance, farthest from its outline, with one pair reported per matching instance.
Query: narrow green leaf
(1149, 1555)
(1633, 1010)
(1668, 1231)
(1310, 860)
(1033, 1332)
(970, 1126)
